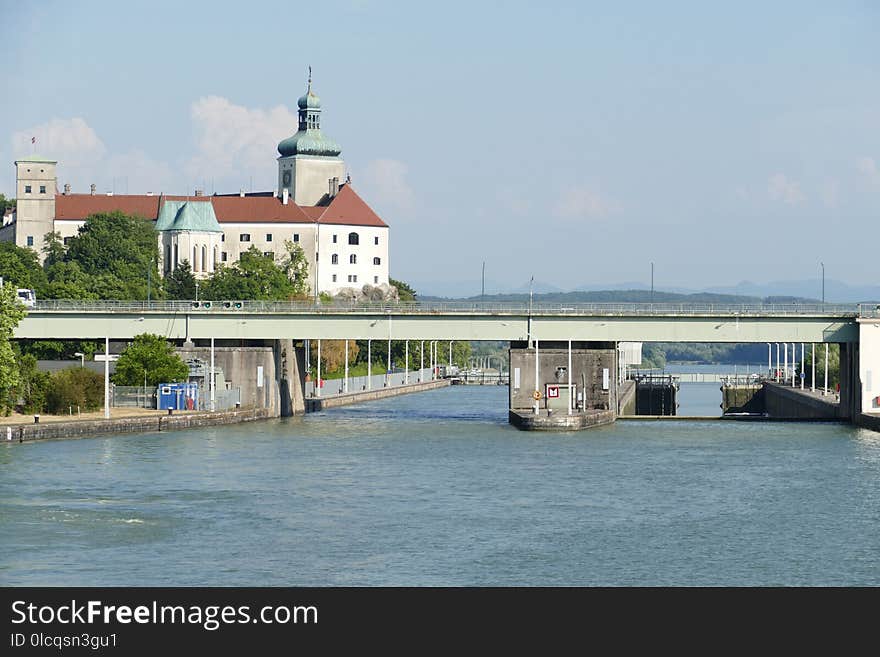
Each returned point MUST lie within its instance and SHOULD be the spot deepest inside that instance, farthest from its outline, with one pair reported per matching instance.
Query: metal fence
(132, 396)
(494, 308)
(361, 383)
(140, 397)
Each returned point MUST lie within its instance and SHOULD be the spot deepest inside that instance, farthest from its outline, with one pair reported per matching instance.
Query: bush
(75, 387)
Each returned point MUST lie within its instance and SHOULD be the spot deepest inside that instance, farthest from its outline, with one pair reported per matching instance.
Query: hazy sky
(575, 142)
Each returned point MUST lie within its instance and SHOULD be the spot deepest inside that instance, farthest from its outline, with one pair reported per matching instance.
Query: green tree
(53, 249)
(74, 387)
(11, 313)
(180, 284)
(59, 349)
(67, 280)
(254, 276)
(6, 204)
(33, 385)
(151, 356)
(20, 267)
(404, 291)
(119, 250)
(296, 267)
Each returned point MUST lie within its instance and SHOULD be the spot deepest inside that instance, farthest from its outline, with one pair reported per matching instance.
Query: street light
(823, 282)
(82, 358)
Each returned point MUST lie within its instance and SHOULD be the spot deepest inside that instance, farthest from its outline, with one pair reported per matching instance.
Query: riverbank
(315, 404)
(149, 421)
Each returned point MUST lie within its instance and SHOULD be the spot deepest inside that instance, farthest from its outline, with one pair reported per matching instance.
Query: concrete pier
(314, 404)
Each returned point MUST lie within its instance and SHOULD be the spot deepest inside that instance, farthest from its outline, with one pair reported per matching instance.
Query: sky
(572, 142)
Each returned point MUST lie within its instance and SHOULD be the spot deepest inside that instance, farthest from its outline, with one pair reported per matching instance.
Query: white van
(27, 297)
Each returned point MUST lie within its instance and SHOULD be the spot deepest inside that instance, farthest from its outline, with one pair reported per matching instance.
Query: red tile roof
(349, 208)
(345, 208)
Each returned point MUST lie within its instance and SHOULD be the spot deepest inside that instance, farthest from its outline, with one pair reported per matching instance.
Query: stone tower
(35, 187)
(309, 160)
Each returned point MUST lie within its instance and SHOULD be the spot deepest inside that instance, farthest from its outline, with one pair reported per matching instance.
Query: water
(437, 489)
(704, 399)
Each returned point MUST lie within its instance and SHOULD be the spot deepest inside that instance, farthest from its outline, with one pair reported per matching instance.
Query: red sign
(552, 392)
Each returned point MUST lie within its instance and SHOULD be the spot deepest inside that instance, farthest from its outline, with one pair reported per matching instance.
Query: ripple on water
(435, 489)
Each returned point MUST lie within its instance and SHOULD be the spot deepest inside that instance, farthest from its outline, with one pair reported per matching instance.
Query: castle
(345, 242)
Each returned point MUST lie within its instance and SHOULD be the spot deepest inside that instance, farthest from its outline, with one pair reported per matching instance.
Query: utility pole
(652, 284)
(823, 282)
(483, 285)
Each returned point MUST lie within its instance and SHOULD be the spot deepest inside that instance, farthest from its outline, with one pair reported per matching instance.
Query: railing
(461, 307)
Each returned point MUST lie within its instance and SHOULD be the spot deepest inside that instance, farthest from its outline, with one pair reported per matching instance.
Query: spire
(309, 90)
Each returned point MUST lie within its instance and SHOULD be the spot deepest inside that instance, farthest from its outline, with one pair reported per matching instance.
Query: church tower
(310, 167)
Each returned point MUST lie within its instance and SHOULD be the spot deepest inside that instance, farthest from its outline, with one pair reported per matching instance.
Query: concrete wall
(157, 422)
(626, 402)
(240, 367)
(588, 362)
(742, 399)
(783, 401)
(314, 404)
(869, 364)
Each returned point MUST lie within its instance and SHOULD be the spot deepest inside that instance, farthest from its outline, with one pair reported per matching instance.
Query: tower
(309, 159)
(35, 187)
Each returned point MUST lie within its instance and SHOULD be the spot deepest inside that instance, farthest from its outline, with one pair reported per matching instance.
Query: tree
(296, 267)
(53, 249)
(120, 249)
(20, 267)
(180, 284)
(404, 291)
(254, 276)
(6, 204)
(11, 313)
(333, 354)
(33, 384)
(151, 356)
(74, 387)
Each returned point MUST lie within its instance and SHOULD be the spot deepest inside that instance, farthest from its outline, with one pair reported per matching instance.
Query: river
(436, 489)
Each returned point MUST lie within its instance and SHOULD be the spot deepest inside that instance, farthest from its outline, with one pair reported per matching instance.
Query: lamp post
(82, 358)
(197, 289)
(823, 282)
(652, 285)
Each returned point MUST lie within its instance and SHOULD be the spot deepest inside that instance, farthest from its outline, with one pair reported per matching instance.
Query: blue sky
(576, 142)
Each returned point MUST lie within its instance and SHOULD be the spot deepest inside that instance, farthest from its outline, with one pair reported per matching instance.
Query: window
(27, 190)
(352, 259)
(204, 258)
(42, 189)
(334, 237)
(296, 237)
(244, 237)
(334, 278)
(334, 259)
(352, 278)
(377, 261)
(195, 261)
(268, 237)
(30, 240)
(223, 256)
(269, 254)
(375, 280)
(222, 237)
(167, 257)
(376, 241)
(176, 259)
(353, 239)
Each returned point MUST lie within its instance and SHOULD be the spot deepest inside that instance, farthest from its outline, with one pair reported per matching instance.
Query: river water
(436, 489)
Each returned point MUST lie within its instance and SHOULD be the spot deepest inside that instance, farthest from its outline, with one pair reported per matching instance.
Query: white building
(345, 242)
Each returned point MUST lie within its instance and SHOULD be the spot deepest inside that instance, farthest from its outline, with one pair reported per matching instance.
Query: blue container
(179, 396)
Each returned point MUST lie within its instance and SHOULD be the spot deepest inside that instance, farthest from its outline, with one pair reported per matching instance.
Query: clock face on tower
(285, 179)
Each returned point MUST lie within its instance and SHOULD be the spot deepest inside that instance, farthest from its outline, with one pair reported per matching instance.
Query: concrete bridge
(855, 327)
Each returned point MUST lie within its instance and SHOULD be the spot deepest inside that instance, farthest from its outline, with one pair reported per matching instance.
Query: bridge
(855, 327)
(266, 320)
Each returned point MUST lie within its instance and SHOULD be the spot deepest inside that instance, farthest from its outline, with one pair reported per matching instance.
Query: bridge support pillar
(869, 365)
(290, 372)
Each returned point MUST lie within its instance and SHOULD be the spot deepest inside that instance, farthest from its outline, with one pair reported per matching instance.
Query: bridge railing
(451, 307)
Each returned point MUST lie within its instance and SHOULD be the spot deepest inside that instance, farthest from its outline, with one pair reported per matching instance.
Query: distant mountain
(743, 292)
(622, 296)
